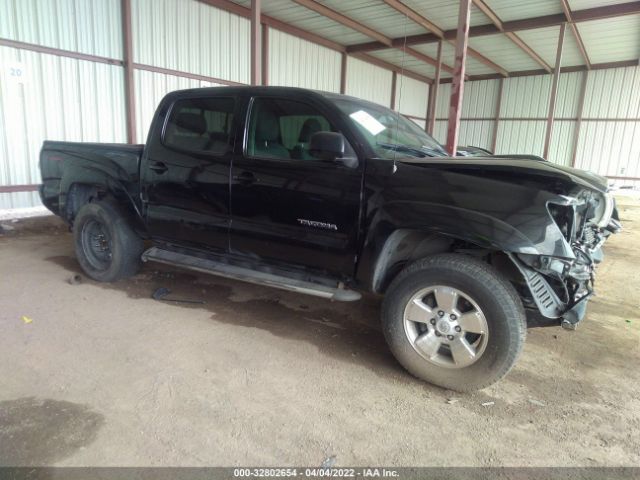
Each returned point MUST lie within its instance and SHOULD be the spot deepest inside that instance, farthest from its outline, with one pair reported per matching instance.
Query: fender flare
(399, 234)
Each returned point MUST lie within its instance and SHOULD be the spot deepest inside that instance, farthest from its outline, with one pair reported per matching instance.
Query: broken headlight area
(561, 286)
(586, 219)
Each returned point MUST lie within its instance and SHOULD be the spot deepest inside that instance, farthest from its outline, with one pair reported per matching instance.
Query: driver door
(287, 206)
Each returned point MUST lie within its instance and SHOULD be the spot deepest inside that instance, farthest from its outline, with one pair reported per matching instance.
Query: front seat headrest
(309, 127)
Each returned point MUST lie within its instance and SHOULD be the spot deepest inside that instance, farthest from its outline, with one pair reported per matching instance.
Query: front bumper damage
(561, 288)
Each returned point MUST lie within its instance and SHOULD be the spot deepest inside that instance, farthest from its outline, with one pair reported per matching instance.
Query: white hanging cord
(399, 96)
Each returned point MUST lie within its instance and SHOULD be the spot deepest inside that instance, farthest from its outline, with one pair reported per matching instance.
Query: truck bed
(120, 162)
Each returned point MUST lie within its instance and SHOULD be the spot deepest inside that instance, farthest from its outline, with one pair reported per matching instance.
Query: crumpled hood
(593, 179)
(501, 203)
(520, 165)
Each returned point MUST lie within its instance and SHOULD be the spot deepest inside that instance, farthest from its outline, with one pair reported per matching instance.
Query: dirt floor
(101, 374)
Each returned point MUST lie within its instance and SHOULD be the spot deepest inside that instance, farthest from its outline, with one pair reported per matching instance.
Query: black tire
(496, 297)
(107, 248)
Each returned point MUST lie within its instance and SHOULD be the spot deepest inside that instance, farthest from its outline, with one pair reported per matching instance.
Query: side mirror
(326, 145)
(331, 146)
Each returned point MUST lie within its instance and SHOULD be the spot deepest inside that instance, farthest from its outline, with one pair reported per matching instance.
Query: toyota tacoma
(330, 195)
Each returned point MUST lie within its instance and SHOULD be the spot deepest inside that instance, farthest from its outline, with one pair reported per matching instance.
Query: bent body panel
(484, 203)
(111, 167)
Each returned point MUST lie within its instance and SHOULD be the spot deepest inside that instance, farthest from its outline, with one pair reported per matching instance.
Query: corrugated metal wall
(87, 26)
(478, 107)
(83, 100)
(294, 62)
(442, 112)
(192, 37)
(411, 97)
(50, 97)
(57, 99)
(525, 97)
(609, 140)
(369, 82)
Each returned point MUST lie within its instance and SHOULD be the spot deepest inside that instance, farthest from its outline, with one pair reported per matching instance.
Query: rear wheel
(107, 248)
(453, 321)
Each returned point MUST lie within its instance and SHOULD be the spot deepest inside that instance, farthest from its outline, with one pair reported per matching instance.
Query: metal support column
(554, 92)
(457, 86)
(129, 87)
(343, 73)
(494, 140)
(256, 51)
(576, 133)
(265, 54)
(394, 83)
(433, 94)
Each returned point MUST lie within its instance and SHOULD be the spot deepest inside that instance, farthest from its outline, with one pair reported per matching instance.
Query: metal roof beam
(392, 67)
(529, 73)
(229, 6)
(576, 34)
(555, 20)
(272, 22)
(398, 6)
(484, 8)
(344, 20)
(365, 30)
(489, 63)
(439, 34)
(427, 59)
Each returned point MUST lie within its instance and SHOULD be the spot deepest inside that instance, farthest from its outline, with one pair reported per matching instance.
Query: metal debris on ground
(74, 279)
(26, 319)
(488, 404)
(162, 292)
(452, 400)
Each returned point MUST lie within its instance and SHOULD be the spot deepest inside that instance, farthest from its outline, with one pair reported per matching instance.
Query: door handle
(158, 167)
(245, 178)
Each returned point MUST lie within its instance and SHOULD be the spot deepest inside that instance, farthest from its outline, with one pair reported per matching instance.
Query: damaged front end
(560, 286)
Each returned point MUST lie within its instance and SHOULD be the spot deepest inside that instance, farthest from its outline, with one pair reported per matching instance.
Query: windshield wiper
(435, 152)
(415, 151)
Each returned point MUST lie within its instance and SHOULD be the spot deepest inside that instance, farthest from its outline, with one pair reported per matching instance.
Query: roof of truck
(258, 90)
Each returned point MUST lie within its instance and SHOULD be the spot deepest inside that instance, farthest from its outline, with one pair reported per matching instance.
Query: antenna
(399, 98)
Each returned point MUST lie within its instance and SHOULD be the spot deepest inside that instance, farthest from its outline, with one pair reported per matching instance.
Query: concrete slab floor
(103, 375)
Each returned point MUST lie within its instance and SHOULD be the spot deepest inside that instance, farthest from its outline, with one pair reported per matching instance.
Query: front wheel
(107, 248)
(454, 321)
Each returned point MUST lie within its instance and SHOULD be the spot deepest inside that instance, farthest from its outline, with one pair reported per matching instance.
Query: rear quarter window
(201, 125)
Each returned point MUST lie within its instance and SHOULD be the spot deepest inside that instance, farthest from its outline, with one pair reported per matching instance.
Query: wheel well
(409, 246)
(403, 247)
(79, 194)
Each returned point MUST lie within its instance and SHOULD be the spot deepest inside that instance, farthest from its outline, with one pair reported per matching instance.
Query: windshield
(388, 133)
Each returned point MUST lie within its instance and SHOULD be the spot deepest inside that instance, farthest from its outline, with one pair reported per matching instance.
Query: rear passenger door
(185, 172)
(287, 206)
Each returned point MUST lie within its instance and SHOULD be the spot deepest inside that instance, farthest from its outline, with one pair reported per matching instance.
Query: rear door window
(201, 125)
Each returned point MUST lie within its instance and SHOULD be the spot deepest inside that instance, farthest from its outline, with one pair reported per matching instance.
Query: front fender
(401, 231)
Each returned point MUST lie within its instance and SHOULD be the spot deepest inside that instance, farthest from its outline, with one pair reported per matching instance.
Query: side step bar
(245, 274)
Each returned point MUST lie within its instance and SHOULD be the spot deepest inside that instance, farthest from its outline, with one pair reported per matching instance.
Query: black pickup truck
(330, 195)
